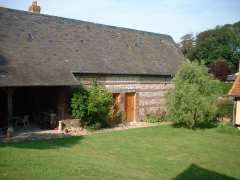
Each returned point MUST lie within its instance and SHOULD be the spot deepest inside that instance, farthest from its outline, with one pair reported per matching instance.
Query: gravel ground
(37, 134)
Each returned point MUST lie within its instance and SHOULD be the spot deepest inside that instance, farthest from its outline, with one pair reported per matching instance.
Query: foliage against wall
(91, 105)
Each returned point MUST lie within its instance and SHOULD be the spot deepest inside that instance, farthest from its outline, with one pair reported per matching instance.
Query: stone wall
(149, 91)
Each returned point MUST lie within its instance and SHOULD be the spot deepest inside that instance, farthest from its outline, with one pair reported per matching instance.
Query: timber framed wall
(149, 91)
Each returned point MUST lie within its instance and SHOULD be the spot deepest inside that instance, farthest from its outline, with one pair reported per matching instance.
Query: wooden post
(9, 92)
(10, 109)
(61, 103)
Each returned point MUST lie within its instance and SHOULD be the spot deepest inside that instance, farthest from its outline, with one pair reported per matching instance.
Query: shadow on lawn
(45, 144)
(194, 172)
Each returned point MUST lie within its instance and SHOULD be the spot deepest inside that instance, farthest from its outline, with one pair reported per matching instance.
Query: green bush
(95, 126)
(79, 104)
(99, 104)
(152, 118)
(91, 105)
(155, 118)
(225, 108)
(191, 102)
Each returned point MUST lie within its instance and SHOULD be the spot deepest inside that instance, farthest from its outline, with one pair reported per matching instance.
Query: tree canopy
(209, 46)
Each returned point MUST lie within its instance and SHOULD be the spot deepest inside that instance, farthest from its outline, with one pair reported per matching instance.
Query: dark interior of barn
(34, 106)
(3, 109)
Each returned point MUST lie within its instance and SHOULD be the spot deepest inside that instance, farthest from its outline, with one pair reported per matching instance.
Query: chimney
(34, 7)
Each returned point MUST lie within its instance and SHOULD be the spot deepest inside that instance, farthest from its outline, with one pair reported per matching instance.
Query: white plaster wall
(238, 113)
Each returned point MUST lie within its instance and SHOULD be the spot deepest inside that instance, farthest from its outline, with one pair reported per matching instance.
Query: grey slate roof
(37, 49)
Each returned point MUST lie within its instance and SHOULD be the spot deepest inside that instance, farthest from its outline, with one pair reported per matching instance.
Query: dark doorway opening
(3, 110)
(40, 107)
(33, 100)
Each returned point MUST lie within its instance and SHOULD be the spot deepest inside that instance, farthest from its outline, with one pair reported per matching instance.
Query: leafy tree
(191, 102)
(219, 69)
(236, 27)
(187, 43)
(221, 42)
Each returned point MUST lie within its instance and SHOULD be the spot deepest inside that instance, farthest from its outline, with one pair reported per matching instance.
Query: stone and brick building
(43, 57)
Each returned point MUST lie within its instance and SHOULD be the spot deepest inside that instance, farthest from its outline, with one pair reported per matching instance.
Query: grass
(161, 152)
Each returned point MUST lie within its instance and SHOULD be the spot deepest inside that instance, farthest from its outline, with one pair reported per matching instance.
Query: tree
(219, 69)
(191, 102)
(236, 27)
(187, 43)
(221, 42)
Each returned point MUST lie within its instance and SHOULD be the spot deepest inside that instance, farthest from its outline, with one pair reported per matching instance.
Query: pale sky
(172, 17)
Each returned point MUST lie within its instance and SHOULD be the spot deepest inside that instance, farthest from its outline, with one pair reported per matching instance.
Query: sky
(172, 17)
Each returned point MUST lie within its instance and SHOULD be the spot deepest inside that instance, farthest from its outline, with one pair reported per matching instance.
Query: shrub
(95, 126)
(79, 104)
(219, 69)
(156, 117)
(115, 117)
(225, 108)
(91, 105)
(99, 104)
(191, 102)
(153, 118)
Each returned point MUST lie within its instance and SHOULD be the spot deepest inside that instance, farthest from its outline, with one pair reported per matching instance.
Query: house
(231, 77)
(42, 58)
(235, 93)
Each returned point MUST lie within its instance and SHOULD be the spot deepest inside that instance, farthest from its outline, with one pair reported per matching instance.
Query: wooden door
(129, 106)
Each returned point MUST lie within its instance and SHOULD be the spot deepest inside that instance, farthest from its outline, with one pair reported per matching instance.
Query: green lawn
(161, 152)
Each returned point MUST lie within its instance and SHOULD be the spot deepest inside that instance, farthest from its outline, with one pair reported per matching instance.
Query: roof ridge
(162, 36)
(47, 49)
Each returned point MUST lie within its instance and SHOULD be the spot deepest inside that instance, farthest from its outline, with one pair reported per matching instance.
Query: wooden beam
(10, 108)
(9, 91)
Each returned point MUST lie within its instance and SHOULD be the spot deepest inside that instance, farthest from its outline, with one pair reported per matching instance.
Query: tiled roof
(37, 49)
(235, 90)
